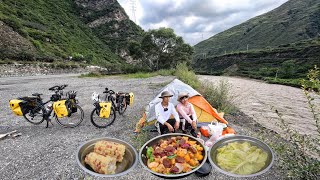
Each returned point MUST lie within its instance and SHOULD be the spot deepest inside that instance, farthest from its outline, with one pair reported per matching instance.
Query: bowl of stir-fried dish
(172, 155)
(241, 156)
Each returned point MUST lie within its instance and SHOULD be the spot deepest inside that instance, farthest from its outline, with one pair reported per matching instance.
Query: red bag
(228, 130)
(205, 131)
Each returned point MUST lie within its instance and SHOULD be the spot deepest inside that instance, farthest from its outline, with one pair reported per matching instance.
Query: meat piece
(174, 169)
(169, 149)
(169, 153)
(154, 146)
(182, 141)
(167, 163)
(158, 151)
(180, 159)
(163, 154)
(185, 146)
(192, 149)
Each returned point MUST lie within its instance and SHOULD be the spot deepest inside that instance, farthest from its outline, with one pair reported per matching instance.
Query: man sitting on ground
(164, 110)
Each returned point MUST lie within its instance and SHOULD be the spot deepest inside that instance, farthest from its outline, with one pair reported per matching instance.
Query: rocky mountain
(96, 31)
(110, 23)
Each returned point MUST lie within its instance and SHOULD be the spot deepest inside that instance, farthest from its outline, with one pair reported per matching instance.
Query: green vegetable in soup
(241, 158)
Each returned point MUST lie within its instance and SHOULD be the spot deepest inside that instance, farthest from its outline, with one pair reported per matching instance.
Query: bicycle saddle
(36, 94)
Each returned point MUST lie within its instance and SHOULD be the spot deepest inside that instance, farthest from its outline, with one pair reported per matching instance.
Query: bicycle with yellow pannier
(104, 113)
(66, 110)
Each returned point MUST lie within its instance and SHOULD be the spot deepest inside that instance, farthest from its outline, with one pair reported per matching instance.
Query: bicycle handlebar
(109, 91)
(58, 88)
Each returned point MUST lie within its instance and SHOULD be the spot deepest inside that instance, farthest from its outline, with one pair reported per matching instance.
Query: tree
(161, 48)
(287, 69)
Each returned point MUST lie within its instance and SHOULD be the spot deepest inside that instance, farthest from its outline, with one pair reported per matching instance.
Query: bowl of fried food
(241, 156)
(106, 157)
(172, 155)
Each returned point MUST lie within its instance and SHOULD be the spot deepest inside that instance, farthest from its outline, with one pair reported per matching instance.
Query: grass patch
(142, 75)
(288, 82)
(91, 75)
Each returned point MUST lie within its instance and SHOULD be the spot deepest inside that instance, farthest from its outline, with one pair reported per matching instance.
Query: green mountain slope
(56, 29)
(293, 21)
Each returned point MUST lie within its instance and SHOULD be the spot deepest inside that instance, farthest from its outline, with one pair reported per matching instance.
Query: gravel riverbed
(42, 153)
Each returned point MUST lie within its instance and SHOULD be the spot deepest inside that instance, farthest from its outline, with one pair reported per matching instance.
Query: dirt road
(259, 100)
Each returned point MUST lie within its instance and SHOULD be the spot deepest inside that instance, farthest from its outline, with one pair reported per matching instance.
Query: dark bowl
(240, 138)
(143, 159)
(128, 163)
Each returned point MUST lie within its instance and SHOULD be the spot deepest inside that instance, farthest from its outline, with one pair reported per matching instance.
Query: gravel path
(257, 98)
(42, 153)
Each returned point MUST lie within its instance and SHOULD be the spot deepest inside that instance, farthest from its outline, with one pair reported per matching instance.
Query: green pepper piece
(149, 152)
(172, 156)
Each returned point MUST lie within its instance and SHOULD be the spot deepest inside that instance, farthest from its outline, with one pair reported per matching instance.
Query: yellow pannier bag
(15, 106)
(105, 109)
(60, 108)
(131, 95)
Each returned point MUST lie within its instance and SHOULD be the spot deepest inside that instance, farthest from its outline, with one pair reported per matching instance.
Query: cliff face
(110, 23)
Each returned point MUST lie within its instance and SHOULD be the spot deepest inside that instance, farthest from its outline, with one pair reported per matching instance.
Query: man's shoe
(193, 133)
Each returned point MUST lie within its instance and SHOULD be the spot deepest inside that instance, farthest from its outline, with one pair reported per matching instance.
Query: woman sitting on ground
(187, 114)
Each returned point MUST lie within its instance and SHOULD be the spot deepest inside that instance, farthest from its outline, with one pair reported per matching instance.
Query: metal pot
(143, 159)
(128, 163)
(240, 138)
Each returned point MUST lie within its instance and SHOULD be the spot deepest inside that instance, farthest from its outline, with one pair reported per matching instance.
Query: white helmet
(95, 97)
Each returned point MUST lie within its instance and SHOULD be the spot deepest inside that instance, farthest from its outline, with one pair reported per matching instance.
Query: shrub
(187, 76)
(297, 160)
(37, 44)
(77, 57)
(287, 69)
(219, 96)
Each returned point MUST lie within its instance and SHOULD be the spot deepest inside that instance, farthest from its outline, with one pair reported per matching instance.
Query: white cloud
(196, 20)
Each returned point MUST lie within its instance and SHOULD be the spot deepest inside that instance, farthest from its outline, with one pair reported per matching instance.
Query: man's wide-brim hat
(183, 94)
(165, 94)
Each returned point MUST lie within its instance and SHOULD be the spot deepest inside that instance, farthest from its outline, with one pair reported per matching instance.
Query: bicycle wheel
(102, 122)
(35, 115)
(122, 106)
(74, 118)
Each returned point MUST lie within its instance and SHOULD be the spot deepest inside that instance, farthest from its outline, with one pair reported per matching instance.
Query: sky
(195, 20)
